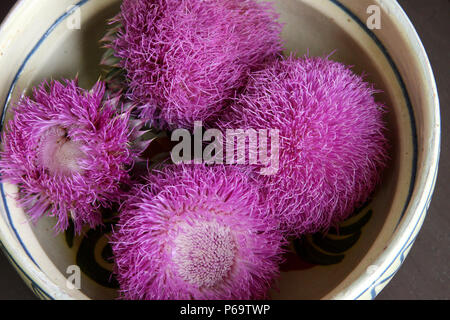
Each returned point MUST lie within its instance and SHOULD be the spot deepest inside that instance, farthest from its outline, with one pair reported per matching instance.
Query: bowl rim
(367, 285)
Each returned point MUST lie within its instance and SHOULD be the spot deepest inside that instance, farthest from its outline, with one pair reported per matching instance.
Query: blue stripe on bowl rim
(37, 290)
(380, 45)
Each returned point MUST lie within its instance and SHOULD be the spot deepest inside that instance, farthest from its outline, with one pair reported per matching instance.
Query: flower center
(58, 153)
(204, 253)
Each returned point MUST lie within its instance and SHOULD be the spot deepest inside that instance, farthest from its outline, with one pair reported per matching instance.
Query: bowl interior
(319, 266)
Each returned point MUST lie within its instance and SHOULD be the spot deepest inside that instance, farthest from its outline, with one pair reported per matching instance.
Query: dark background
(425, 273)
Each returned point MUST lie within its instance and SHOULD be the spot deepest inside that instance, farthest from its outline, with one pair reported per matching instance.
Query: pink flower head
(68, 151)
(332, 145)
(196, 232)
(185, 59)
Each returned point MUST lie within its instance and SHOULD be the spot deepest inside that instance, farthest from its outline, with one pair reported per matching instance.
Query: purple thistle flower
(196, 232)
(68, 150)
(185, 59)
(332, 143)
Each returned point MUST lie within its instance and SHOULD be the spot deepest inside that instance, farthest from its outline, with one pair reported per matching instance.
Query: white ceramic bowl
(40, 40)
